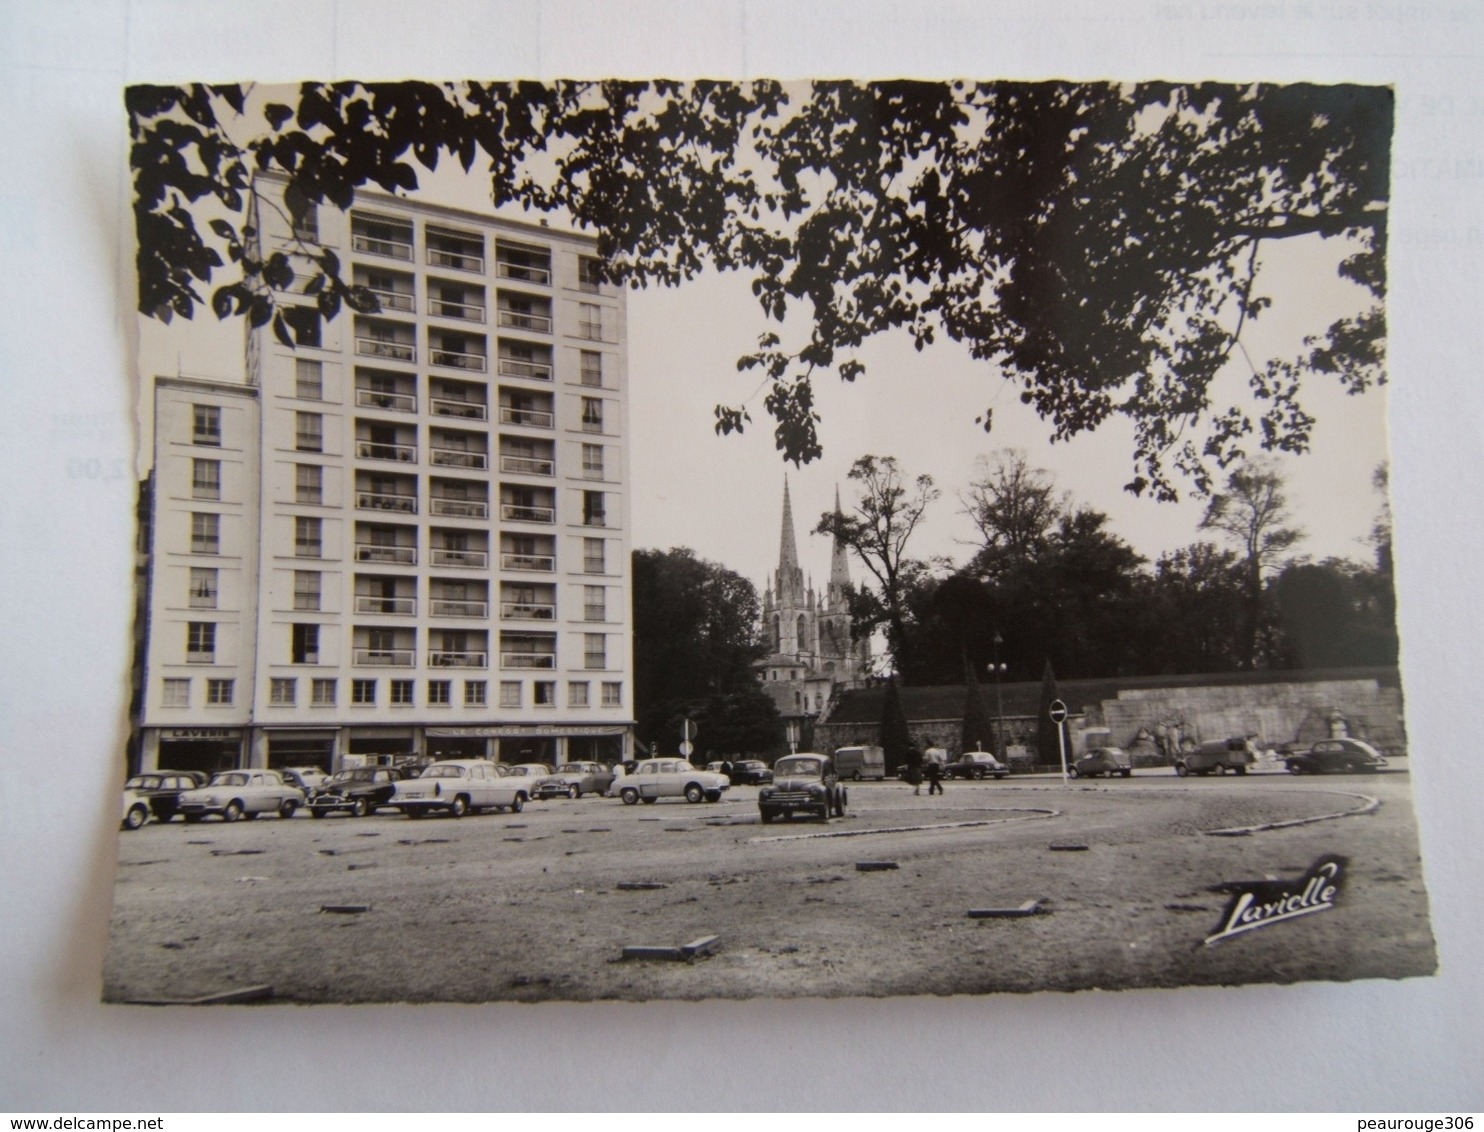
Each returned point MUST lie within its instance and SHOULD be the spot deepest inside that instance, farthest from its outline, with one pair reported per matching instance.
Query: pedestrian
(934, 777)
(914, 769)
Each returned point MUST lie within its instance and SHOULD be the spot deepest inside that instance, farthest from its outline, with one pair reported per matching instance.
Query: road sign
(1057, 711)
(687, 731)
(687, 748)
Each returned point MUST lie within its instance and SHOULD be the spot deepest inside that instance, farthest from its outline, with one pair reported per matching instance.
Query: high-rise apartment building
(405, 536)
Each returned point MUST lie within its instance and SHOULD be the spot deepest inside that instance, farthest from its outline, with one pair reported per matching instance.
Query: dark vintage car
(357, 791)
(1350, 755)
(573, 780)
(155, 795)
(802, 784)
(1103, 760)
(975, 764)
(750, 772)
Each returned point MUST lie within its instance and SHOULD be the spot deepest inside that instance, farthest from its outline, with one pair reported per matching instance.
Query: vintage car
(976, 764)
(1103, 760)
(461, 786)
(1352, 755)
(357, 791)
(155, 795)
(802, 784)
(750, 772)
(573, 780)
(1216, 757)
(654, 779)
(242, 794)
(529, 773)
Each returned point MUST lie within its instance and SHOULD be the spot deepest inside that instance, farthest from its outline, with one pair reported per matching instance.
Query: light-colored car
(458, 787)
(654, 779)
(573, 780)
(242, 794)
(155, 795)
(1103, 760)
(528, 773)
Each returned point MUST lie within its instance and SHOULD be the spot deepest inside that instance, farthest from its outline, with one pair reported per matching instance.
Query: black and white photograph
(645, 547)
(1017, 615)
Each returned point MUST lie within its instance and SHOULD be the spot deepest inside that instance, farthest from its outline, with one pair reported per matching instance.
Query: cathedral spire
(788, 553)
(839, 563)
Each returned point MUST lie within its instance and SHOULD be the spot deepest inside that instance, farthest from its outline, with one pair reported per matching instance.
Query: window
(205, 532)
(589, 273)
(475, 693)
(440, 691)
(201, 642)
(309, 432)
(306, 589)
(510, 693)
(305, 640)
(203, 587)
(307, 542)
(219, 691)
(283, 690)
(309, 379)
(594, 603)
(206, 479)
(363, 691)
(593, 512)
(577, 693)
(590, 321)
(592, 368)
(401, 693)
(592, 414)
(309, 483)
(594, 650)
(304, 325)
(592, 461)
(592, 556)
(612, 693)
(206, 425)
(177, 692)
(306, 221)
(322, 693)
(545, 693)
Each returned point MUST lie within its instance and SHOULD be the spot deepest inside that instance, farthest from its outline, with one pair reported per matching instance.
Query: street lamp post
(999, 703)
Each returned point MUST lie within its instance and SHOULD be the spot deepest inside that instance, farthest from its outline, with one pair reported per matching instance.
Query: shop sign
(524, 731)
(202, 733)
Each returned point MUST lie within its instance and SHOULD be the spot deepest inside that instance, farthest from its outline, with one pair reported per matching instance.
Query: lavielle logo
(1261, 903)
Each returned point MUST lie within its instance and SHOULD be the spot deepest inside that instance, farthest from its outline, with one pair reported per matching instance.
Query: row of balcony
(391, 240)
(446, 407)
(460, 559)
(461, 458)
(451, 607)
(405, 503)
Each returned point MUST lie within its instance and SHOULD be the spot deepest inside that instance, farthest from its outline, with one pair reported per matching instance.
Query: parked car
(802, 784)
(860, 762)
(307, 779)
(1352, 755)
(238, 794)
(1218, 756)
(155, 795)
(654, 779)
(1103, 760)
(357, 791)
(976, 764)
(751, 772)
(529, 773)
(573, 780)
(461, 786)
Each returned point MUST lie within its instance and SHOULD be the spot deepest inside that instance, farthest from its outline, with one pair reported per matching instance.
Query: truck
(857, 763)
(1218, 755)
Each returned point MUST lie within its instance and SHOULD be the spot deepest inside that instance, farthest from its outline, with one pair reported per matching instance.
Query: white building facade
(406, 536)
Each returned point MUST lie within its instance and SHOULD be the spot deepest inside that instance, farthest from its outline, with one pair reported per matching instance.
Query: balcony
(384, 658)
(528, 465)
(380, 245)
(380, 348)
(522, 513)
(523, 272)
(440, 658)
(463, 559)
(530, 418)
(376, 450)
(386, 501)
(458, 607)
(461, 508)
(396, 555)
(394, 300)
(520, 320)
(445, 308)
(453, 249)
(459, 458)
(527, 660)
(546, 563)
(399, 606)
(534, 371)
(392, 402)
(457, 360)
(527, 611)
(200, 656)
(467, 410)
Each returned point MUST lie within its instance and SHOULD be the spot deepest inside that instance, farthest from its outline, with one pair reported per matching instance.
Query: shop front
(207, 749)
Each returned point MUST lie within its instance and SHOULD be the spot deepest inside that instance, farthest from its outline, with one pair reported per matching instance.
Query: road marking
(1369, 805)
(1029, 815)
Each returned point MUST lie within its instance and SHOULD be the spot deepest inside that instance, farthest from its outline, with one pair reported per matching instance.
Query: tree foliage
(1095, 244)
(896, 741)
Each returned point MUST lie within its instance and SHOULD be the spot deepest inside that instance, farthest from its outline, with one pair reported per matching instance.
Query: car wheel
(766, 816)
(192, 819)
(136, 817)
(1239, 770)
(856, 776)
(233, 812)
(1127, 773)
(1073, 772)
(713, 795)
(1181, 769)
(630, 796)
(287, 807)
(316, 812)
(1294, 768)
(574, 792)
(979, 773)
(649, 801)
(518, 803)
(694, 793)
(360, 808)
(458, 807)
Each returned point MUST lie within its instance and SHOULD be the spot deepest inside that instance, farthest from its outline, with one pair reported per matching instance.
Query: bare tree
(1015, 508)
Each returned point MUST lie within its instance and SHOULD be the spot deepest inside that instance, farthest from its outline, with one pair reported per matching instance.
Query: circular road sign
(687, 748)
(1057, 711)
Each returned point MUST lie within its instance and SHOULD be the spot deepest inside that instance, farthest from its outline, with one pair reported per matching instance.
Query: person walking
(914, 769)
(934, 777)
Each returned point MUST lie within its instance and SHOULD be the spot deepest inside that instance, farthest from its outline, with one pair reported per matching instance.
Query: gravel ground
(529, 906)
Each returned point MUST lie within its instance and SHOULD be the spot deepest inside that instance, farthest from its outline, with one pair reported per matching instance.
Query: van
(856, 763)
(1219, 755)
